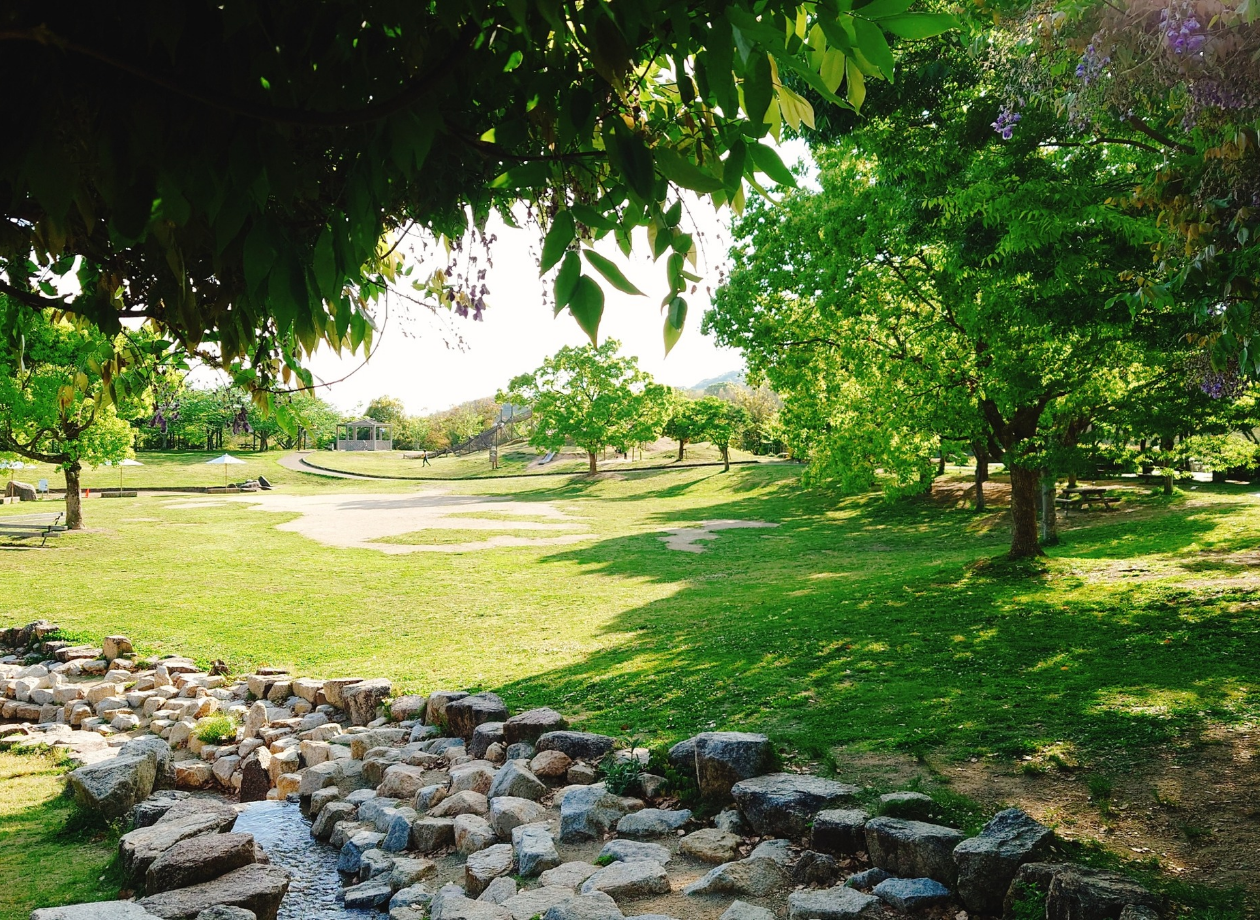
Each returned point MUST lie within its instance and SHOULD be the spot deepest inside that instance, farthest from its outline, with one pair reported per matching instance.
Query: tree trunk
(940, 462)
(681, 445)
(74, 498)
(1071, 480)
(1024, 513)
(1168, 483)
(982, 472)
(590, 456)
(1049, 512)
(725, 450)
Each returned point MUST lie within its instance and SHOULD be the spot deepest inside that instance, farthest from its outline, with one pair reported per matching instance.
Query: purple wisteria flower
(1182, 32)
(1091, 65)
(1006, 122)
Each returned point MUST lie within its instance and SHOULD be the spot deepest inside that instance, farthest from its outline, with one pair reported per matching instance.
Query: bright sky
(413, 362)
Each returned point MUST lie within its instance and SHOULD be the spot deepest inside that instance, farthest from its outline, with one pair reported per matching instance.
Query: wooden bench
(1084, 502)
(28, 530)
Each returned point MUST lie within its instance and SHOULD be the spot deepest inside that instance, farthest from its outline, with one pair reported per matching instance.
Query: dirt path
(687, 539)
(297, 463)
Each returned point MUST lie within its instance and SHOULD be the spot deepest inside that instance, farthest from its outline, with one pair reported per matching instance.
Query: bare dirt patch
(687, 539)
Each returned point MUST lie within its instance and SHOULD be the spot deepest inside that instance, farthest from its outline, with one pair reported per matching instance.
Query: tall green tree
(590, 395)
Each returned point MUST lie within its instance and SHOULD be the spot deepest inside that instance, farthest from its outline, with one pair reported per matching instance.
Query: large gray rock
(515, 779)
(634, 851)
(257, 887)
(838, 903)
(483, 736)
(913, 849)
(431, 834)
(531, 725)
(594, 906)
(568, 875)
(913, 806)
(742, 910)
(329, 816)
(987, 863)
(839, 830)
(536, 902)
(578, 745)
(139, 849)
(159, 751)
(1078, 893)
(750, 877)
(589, 812)
(725, 758)
(535, 849)
(224, 912)
(710, 845)
(435, 710)
(508, 812)
(408, 708)
(350, 859)
(784, 804)
(465, 714)
(111, 788)
(682, 757)
(403, 781)
(653, 822)
(98, 910)
(199, 806)
(155, 806)
(461, 803)
(374, 894)
(637, 878)
(473, 833)
(362, 699)
(911, 894)
(485, 866)
(199, 859)
(499, 890)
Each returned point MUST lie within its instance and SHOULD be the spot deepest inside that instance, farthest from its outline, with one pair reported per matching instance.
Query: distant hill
(729, 377)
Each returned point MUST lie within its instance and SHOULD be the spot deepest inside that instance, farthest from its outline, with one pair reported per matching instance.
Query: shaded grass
(446, 536)
(48, 854)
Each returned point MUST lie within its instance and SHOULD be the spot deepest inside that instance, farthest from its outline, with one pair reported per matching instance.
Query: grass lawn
(855, 627)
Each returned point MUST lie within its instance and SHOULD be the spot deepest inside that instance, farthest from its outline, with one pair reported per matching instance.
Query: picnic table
(30, 526)
(1084, 497)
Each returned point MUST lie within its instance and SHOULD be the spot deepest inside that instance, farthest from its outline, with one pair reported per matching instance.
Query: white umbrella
(126, 461)
(224, 461)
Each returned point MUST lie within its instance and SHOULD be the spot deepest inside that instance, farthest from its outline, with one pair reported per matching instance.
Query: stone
(407, 871)
(151, 810)
(515, 779)
(522, 750)
(218, 814)
(710, 845)
(535, 850)
(750, 877)
(429, 796)
(531, 725)
(731, 821)
(722, 759)
(451, 904)
(595, 906)
(483, 737)
(988, 862)
(362, 699)
(333, 690)
(403, 781)
(435, 711)
(814, 869)
(1030, 876)
(258, 887)
(589, 812)
(431, 834)
(509, 812)
(329, 816)
(310, 690)
(461, 803)
(568, 875)
(350, 859)
(373, 863)
(742, 910)
(832, 904)
(913, 849)
(911, 894)
(113, 647)
(581, 774)
(466, 713)
(408, 708)
(653, 822)
(370, 895)
(255, 780)
(633, 851)
(484, 866)
(477, 775)
(398, 831)
(255, 720)
(344, 831)
(867, 879)
(636, 878)
(111, 788)
(198, 859)
(550, 766)
(1079, 893)
(783, 804)
(473, 833)
(913, 806)
(839, 830)
(499, 890)
(224, 912)
(101, 910)
(536, 902)
(577, 745)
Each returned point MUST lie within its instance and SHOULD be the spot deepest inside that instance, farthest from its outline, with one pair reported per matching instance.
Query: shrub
(216, 729)
(620, 776)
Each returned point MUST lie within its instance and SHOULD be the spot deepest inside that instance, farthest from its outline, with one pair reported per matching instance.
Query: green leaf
(513, 62)
(832, 71)
(557, 240)
(592, 218)
(874, 47)
(768, 161)
(634, 161)
(259, 256)
(857, 84)
(587, 305)
(758, 89)
(325, 265)
(566, 279)
(610, 271)
(674, 321)
(676, 168)
(878, 9)
(915, 26)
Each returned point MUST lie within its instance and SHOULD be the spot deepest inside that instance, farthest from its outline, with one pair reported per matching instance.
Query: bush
(216, 730)
(620, 776)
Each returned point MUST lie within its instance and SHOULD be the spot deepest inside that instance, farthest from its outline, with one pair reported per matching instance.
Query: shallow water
(281, 830)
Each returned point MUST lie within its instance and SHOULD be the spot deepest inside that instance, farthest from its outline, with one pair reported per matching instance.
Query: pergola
(364, 434)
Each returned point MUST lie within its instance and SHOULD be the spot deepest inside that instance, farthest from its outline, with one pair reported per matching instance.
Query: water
(281, 830)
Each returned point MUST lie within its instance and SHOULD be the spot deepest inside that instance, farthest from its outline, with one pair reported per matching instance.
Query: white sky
(413, 362)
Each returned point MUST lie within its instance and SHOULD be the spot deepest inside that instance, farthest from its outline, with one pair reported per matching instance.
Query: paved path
(297, 462)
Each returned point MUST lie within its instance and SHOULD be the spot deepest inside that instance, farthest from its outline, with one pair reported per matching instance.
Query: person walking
(424, 458)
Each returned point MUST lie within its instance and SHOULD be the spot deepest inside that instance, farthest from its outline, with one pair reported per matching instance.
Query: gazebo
(364, 434)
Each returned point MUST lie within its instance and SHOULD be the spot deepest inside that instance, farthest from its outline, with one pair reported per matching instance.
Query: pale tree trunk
(1024, 543)
(590, 456)
(725, 450)
(940, 461)
(74, 498)
(1049, 511)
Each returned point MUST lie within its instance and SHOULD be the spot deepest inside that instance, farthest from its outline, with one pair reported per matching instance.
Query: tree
(683, 423)
(387, 410)
(707, 419)
(949, 281)
(299, 142)
(590, 395)
(53, 406)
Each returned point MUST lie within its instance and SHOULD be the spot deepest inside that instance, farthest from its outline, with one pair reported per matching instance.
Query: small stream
(282, 831)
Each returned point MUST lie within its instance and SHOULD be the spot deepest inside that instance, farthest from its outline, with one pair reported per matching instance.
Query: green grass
(49, 857)
(447, 536)
(163, 471)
